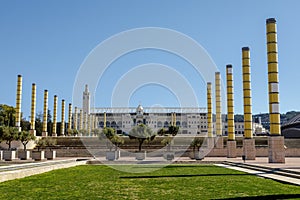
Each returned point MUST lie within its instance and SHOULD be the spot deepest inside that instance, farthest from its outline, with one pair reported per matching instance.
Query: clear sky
(47, 42)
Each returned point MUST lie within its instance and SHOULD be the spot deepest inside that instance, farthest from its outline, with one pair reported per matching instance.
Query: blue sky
(47, 41)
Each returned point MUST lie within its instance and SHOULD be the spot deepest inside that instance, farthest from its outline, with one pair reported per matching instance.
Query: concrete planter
(111, 155)
(9, 155)
(198, 155)
(24, 155)
(50, 155)
(140, 155)
(38, 155)
(169, 155)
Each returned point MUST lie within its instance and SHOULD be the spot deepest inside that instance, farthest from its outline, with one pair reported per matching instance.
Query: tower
(45, 115)
(19, 102)
(54, 129)
(248, 142)
(33, 105)
(86, 101)
(219, 138)
(276, 141)
(231, 143)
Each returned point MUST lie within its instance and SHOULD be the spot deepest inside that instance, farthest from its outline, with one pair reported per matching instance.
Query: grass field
(171, 182)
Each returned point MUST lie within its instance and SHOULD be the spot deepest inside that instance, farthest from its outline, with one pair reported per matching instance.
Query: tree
(9, 134)
(173, 130)
(25, 125)
(167, 141)
(196, 143)
(7, 115)
(141, 133)
(39, 123)
(113, 140)
(96, 131)
(40, 143)
(161, 132)
(25, 137)
(45, 142)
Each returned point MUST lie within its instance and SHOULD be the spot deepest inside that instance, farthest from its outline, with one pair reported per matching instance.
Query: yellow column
(276, 144)
(88, 126)
(62, 129)
(54, 129)
(104, 119)
(249, 150)
(174, 119)
(75, 119)
(45, 115)
(230, 103)
(209, 111)
(247, 93)
(33, 102)
(80, 119)
(273, 77)
(70, 117)
(19, 102)
(218, 104)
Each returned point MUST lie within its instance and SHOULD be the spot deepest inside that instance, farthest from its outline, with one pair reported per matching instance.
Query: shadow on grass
(172, 166)
(266, 197)
(183, 176)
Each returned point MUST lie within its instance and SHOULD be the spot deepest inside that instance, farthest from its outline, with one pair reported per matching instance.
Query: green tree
(9, 134)
(196, 143)
(161, 132)
(96, 132)
(25, 137)
(173, 130)
(39, 123)
(7, 115)
(110, 135)
(25, 125)
(141, 133)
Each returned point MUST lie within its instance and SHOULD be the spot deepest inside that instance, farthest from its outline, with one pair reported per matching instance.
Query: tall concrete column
(88, 125)
(231, 143)
(45, 115)
(104, 120)
(174, 119)
(70, 117)
(210, 139)
(80, 119)
(248, 142)
(54, 128)
(62, 126)
(276, 141)
(75, 119)
(33, 105)
(19, 103)
(219, 138)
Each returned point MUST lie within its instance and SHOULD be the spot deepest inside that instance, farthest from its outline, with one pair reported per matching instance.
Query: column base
(219, 142)
(33, 132)
(45, 134)
(276, 149)
(249, 150)
(210, 142)
(54, 134)
(231, 149)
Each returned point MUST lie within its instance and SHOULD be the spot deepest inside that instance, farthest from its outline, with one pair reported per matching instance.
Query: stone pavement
(289, 172)
(21, 170)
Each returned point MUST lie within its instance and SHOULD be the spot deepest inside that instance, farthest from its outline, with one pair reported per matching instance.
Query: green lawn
(171, 182)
